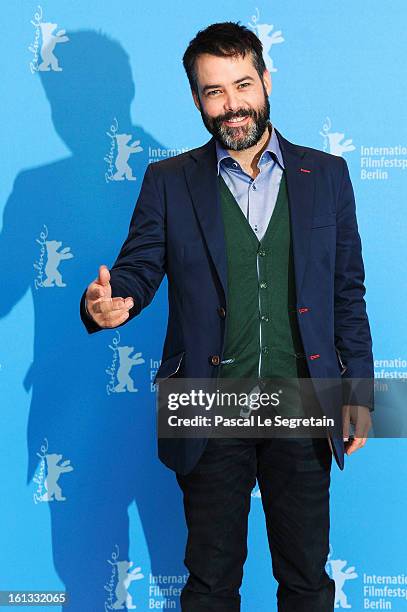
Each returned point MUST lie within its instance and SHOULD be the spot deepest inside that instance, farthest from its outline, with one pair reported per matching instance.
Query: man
(210, 219)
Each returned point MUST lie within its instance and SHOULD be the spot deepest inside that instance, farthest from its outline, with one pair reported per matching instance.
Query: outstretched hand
(105, 310)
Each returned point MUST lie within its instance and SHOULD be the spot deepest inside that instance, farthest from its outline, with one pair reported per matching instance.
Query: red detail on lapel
(301, 310)
(305, 170)
(315, 356)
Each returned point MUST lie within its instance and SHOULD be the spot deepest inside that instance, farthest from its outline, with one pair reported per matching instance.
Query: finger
(110, 305)
(363, 425)
(104, 305)
(104, 276)
(95, 291)
(345, 422)
(113, 320)
(355, 445)
(362, 432)
(361, 441)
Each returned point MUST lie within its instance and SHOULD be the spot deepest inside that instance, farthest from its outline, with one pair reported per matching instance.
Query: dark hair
(225, 39)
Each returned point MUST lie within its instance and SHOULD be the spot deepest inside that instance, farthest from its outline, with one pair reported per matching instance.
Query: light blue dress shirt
(256, 197)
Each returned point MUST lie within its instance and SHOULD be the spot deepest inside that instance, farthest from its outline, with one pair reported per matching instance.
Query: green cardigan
(262, 338)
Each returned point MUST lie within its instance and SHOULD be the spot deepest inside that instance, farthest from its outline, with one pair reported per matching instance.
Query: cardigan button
(214, 360)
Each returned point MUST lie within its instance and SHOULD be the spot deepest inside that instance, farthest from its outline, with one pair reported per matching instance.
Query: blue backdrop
(92, 92)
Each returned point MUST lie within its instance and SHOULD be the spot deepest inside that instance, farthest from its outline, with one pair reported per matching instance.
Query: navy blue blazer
(177, 229)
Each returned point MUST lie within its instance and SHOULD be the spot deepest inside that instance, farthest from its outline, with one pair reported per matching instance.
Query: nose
(231, 102)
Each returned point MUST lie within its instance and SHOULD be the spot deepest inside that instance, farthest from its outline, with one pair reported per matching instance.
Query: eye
(213, 91)
(243, 84)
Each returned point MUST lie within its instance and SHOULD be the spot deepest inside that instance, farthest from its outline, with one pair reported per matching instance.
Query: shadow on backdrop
(91, 400)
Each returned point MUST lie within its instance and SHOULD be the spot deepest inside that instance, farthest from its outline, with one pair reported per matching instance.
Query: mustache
(232, 115)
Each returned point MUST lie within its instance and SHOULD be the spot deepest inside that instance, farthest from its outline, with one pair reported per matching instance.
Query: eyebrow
(245, 78)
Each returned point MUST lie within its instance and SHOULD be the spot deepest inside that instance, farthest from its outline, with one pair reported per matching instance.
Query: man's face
(233, 100)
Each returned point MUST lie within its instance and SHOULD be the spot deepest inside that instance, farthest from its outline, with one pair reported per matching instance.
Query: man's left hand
(360, 418)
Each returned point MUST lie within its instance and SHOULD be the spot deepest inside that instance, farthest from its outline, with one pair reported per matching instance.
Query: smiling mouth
(237, 121)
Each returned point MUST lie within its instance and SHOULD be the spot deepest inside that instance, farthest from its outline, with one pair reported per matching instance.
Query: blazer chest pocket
(325, 220)
(169, 367)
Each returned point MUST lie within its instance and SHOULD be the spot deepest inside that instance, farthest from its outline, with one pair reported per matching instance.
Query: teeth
(237, 119)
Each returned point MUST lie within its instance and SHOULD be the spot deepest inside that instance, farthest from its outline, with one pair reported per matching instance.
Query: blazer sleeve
(352, 330)
(141, 263)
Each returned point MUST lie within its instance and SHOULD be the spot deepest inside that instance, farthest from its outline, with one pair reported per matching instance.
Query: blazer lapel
(300, 175)
(202, 179)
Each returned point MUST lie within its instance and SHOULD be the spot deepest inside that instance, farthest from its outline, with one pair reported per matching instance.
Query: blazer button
(215, 360)
(221, 312)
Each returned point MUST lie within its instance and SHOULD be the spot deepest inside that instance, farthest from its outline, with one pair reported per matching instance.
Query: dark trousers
(294, 479)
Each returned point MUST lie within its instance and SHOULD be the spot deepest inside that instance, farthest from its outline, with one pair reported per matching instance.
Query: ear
(267, 81)
(196, 100)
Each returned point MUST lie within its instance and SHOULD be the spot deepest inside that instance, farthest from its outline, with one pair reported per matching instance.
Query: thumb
(346, 422)
(104, 276)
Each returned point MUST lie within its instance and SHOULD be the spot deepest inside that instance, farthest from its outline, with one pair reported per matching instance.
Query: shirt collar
(272, 147)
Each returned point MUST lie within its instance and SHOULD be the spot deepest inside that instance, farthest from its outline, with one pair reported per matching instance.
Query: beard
(240, 137)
